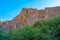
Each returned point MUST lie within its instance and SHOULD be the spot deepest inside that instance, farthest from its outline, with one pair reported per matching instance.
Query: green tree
(41, 30)
(3, 35)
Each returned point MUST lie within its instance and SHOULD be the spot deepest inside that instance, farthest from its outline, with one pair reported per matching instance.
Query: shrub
(3, 35)
(41, 30)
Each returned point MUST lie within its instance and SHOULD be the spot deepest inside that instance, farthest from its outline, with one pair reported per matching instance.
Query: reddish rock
(1, 22)
(29, 16)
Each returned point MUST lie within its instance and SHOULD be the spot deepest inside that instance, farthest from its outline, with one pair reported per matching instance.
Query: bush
(3, 35)
(41, 30)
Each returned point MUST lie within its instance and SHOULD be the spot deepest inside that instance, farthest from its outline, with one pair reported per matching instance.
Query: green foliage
(41, 30)
(50, 28)
(3, 35)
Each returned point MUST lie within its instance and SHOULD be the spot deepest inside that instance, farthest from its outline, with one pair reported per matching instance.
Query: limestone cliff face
(52, 11)
(29, 16)
(8, 26)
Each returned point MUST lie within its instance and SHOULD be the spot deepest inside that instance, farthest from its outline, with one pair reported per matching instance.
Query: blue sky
(11, 8)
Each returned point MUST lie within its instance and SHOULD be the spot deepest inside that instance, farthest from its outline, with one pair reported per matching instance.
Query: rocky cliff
(29, 16)
(1, 22)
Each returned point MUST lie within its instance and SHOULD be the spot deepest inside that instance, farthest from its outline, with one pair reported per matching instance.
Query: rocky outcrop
(52, 11)
(29, 16)
(1, 22)
(8, 26)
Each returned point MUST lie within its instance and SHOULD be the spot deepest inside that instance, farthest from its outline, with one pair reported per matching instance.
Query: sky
(11, 8)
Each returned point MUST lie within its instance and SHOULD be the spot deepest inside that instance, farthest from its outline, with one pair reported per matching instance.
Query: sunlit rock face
(29, 16)
(1, 22)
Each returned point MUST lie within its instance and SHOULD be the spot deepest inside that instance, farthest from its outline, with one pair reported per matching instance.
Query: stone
(29, 17)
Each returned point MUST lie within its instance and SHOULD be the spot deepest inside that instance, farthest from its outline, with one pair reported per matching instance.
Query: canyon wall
(1, 22)
(52, 11)
(29, 16)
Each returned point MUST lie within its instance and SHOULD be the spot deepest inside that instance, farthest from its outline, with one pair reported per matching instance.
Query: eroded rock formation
(29, 16)
(1, 22)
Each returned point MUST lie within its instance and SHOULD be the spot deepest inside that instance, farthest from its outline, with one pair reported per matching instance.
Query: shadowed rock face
(52, 11)
(29, 16)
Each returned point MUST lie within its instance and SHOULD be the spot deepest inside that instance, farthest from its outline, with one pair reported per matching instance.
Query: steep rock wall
(29, 16)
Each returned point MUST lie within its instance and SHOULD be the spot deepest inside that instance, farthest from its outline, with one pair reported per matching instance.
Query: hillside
(41, 30)
(29, 17)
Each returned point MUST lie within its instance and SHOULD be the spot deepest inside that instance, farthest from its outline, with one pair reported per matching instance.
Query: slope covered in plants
(41, 30)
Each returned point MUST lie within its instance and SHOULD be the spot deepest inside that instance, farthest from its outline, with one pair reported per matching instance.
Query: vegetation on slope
(3, 35)
(41, 30)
